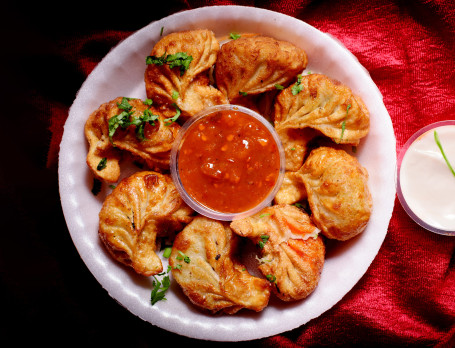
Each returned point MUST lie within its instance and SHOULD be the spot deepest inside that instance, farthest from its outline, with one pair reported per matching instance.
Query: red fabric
(407, 297)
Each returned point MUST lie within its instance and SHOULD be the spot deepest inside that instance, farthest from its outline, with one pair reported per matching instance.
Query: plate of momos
(260, 275)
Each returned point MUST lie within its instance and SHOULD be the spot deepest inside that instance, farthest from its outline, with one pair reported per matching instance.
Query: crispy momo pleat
(292, 252)
(254, 65)
(140, 208)
(193, 88)
(213, 278)
(325, 105)
(338, 193)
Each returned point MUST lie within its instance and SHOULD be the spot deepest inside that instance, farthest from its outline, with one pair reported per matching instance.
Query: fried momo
(253, 65)
(292, 190)
(292, 252)
(150, 140)
(204, 263)
(189, 89)
(325, 105)
(141, 207)
(338, 193)
(295, 145)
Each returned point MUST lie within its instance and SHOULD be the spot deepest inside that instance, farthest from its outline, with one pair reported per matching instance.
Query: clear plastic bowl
(401, 196)
(195, 204)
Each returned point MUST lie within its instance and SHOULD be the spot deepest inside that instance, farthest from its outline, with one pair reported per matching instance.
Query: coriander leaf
(264, 239)
(121, 119)
(179, 59)
(161, 31)
(175, 95)
(297, 87)
(159, 289)
(124, 104)
(271, 278)
(438, 142)
(148, 102)
(140, 122)
(183, 257)
(156, 60)
(170, 120)
(102, 164)
(234, 36)
(279, 87)
(243, 93)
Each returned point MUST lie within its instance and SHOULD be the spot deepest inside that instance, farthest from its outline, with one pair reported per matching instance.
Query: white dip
(427, 184)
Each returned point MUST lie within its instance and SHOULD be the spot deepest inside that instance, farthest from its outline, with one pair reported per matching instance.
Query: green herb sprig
(170, 120)
(160, 287)
(297, 87)
(234, 36)
(343, 124)
(102, 164)
(438, 142)
(264, 239)
(124, 119)
(179, 59)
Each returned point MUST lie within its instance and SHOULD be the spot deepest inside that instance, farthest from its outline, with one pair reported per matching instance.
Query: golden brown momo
(204, 263)
(188, 86)
(130, 125)
(338, 193)
(318, 102)
(253, 65)
(292, 252)
(141, 208)
(292, 190)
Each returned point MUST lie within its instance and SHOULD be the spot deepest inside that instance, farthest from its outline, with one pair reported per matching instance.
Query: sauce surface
(228, 161)
(427, 184)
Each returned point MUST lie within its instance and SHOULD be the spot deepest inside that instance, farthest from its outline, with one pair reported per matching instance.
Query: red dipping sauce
(229, 161)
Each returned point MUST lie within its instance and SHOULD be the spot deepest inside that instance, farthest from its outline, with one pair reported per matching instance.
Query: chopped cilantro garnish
(121, 119)
(175, 95)
(234, 36)
(243, 93)
(140, 122)
(179, 59)
(343, 124)
(124, 104)
(159, 288)
(264, 215)
(264, 239)
(148, 102)
(183, 257)
(161, 31)
(297, 87)
(102, 164)
(170, 120)
(271, 278)
(112, 186)
(279, 87)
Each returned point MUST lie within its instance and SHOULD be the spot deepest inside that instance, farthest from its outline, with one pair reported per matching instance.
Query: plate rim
(63, 181)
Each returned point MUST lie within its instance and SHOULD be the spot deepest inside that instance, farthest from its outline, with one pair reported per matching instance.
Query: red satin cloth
(407, 297)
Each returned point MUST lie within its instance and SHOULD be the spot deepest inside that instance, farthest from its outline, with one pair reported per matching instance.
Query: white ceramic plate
(121, 73)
